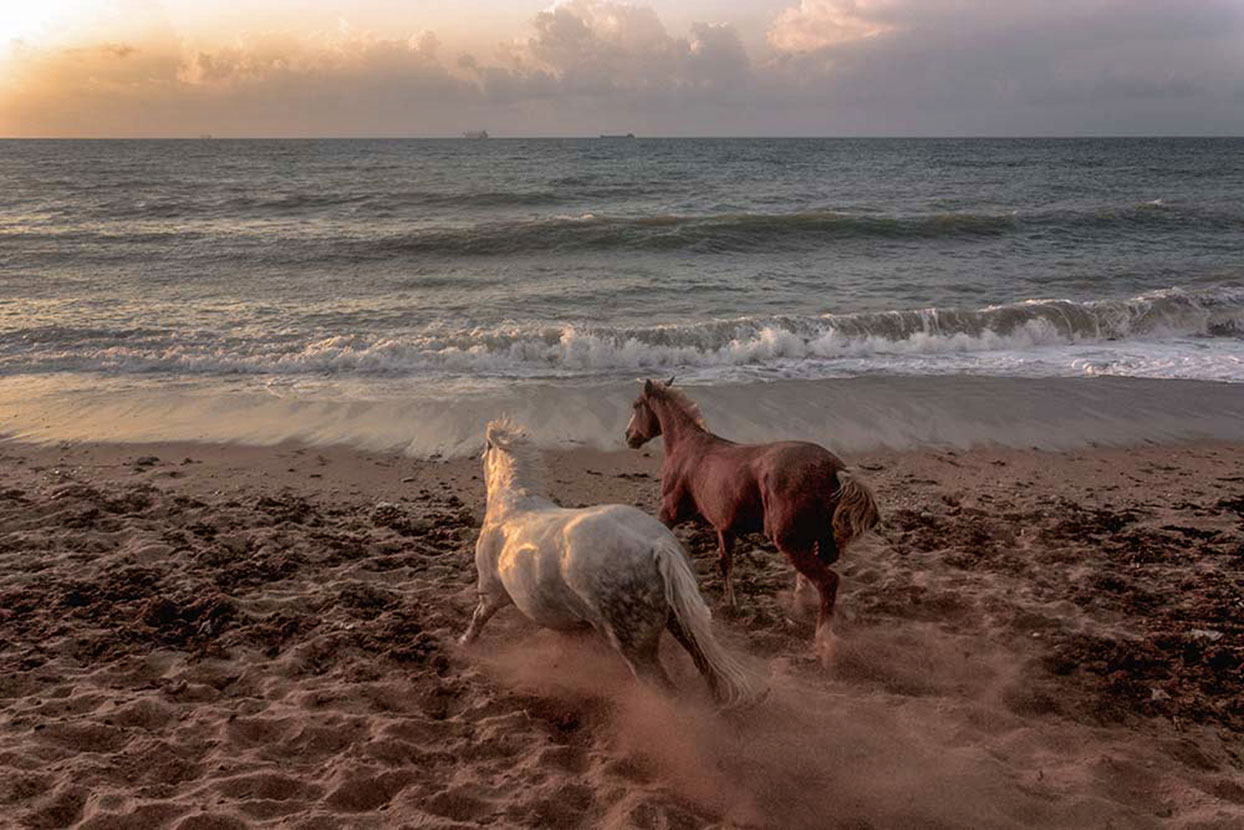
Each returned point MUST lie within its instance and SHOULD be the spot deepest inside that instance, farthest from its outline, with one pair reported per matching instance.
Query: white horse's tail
(731, 682)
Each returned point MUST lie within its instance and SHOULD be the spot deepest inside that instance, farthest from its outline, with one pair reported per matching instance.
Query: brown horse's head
(644, 425)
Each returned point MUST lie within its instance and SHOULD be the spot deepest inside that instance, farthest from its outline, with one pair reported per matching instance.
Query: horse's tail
(731, 682)
(856, 512)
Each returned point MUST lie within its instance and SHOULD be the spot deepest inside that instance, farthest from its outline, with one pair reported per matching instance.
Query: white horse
(611, 567)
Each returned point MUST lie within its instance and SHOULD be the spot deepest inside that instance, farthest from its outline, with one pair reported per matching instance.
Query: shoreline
(228, 636)
(849, 415)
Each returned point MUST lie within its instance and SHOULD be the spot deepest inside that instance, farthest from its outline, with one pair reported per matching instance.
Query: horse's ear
(648, 386)
(493, 433)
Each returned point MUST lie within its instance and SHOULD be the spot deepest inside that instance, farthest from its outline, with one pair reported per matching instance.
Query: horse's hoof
(798, 607)
(825, 644)
(799, 624)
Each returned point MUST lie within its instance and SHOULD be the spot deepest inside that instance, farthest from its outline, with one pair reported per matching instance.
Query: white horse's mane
(683, 401)
(524, 466)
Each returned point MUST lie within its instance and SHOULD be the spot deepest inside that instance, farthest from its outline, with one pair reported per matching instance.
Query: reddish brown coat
(797, 493)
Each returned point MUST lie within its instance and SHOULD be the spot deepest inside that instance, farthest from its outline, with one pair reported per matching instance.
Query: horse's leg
(668, 517)
(639, 649)
(649, 670)
(815, 571)
(805, 597)
(488, 605)
(701, 664)
(673, 504)
(725, 563)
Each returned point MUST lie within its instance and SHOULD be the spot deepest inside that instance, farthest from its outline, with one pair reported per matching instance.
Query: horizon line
(606, 137)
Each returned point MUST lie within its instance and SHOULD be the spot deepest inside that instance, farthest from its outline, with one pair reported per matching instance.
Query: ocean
(458, 276)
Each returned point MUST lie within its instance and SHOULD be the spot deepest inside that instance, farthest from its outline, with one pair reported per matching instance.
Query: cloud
(588, 55)
(582, 66)
(597, 47)
(344, 56)
(600, 47)
(119, 50)
(597, 54)
(815, 24)
(337, 83)
(978, 66)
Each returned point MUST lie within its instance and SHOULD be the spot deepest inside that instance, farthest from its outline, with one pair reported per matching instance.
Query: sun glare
(35, 21)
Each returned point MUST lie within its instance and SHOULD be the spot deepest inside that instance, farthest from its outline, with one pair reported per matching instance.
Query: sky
(276, 68)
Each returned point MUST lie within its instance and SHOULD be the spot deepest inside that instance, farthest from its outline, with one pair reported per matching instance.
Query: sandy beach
(215, 636)
(269, 270)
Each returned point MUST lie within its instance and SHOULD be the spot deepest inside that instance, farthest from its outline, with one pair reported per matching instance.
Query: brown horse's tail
(856, 513)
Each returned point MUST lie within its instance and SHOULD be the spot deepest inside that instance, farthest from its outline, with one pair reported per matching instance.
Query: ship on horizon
(475, 134)
(617, 135)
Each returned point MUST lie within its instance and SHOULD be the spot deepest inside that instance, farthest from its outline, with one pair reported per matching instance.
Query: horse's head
(644, 425)
(501, 434)
(510, 456)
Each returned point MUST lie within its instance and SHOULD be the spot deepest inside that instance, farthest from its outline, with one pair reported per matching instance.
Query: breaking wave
(915, 340)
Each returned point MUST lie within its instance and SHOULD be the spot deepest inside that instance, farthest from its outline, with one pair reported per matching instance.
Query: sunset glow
(141, 67)
(36, 21)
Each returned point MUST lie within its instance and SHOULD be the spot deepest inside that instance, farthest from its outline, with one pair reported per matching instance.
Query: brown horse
(798, 494)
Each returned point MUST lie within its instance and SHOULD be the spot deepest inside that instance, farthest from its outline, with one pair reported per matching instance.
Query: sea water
(435, 273)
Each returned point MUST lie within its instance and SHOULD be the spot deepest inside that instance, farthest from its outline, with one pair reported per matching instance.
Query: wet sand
(853, 415)
(214, 636)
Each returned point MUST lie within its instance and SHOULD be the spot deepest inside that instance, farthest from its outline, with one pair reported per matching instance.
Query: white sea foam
(1171, 333)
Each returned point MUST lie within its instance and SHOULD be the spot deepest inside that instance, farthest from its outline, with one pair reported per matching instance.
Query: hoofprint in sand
(219, 637)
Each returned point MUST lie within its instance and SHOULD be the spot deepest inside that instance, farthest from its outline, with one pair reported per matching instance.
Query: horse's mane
(526, 466)
(683, 401)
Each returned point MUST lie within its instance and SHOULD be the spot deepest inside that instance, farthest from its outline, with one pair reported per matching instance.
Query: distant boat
(205, 136)
(475, 134)
(618, 135)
